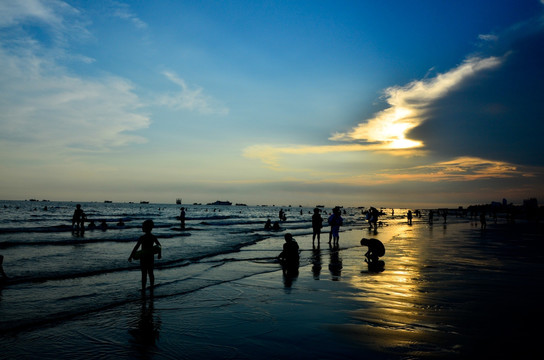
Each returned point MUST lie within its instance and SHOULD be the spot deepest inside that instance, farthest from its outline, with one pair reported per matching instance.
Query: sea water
(57, 273)
(447, 290)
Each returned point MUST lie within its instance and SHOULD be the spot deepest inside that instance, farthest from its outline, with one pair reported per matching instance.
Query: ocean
(58, 273)
(448, 290)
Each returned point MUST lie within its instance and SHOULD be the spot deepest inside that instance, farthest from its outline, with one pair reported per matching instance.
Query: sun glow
(408, 107)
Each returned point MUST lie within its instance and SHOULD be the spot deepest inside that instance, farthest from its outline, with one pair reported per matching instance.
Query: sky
(354, 103)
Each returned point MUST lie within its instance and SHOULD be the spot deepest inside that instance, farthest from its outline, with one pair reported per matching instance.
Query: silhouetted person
(375, 249)
(92, 225)
(282, 216)
(182, 218)
(276, 226)
(317, 224)
(268, 225)
(374, 218)
(409, 216)
(103, 225)
(483, 222)
(77, 218)
(121, 223)
(147, 256)
(335, 221)
(289, 258)
(290, 250)
(431, 217)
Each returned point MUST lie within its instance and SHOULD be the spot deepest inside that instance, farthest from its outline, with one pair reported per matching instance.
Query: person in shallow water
(317, 224)
(77, 218)
(289, 259)
(375, 249)
(150, 244)
(289, 255)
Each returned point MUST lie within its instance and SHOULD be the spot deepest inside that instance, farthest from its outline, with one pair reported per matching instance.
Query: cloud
(459, 169)
(488, 37)
(44, 103)
(124, 12)
(495, 114)
(409, 106)
(56, 19)
(188, 98)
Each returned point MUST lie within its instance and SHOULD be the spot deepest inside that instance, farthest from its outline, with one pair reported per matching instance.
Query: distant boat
(320, 206)
(178, 201)
(107, 201)
(240, 204)
(144, 202)
(218, 202)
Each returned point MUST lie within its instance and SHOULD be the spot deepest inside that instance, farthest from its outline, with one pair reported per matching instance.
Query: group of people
(79, 218)
(289, 257)
(334, 220)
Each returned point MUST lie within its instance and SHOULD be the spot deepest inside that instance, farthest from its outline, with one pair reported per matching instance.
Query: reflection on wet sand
(402, 313)
(452, 293)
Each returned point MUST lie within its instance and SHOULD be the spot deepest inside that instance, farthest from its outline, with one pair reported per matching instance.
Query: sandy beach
(447, 291)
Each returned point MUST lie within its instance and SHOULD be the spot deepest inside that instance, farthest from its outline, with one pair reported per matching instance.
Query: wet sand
(450, 291)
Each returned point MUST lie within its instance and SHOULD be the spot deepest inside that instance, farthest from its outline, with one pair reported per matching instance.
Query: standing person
(317, 224)
(335, 221)
(375, 215)
(182, 218)
(147, 254)
(483, 222)
(282, 216)
(77, 218)
(409, 217)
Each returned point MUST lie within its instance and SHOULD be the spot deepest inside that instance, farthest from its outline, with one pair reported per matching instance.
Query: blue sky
(390, 103)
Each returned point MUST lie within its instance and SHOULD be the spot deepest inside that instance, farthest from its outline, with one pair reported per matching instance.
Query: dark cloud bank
(498, 114)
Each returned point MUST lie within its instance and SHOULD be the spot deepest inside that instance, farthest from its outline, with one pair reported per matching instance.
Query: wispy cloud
(42, 102)
(459, 169)
(190, 98)
(124, 12)
(409, 104)
(272, 156)
(488, 37)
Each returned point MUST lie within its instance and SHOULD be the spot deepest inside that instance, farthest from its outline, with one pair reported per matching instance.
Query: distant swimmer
(77, 218)
(182, 218)
(121, 223)
(150, 245)
(268, 225)
(375, 249)
(103, 225)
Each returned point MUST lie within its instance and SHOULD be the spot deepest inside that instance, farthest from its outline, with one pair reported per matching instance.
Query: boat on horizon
(219, 202)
